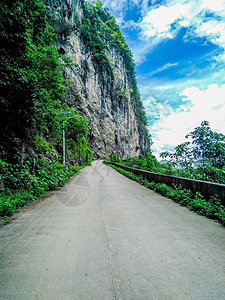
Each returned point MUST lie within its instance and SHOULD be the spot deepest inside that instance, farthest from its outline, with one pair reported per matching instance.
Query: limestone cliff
(102, 94)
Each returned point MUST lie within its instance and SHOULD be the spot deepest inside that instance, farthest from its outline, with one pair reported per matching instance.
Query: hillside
(101, 83)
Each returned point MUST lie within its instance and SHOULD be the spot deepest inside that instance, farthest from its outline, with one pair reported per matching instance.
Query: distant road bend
(103, 236)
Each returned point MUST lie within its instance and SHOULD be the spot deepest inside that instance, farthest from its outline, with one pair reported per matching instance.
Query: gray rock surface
(107, 106)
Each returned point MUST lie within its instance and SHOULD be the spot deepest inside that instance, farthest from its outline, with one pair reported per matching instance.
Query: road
(103, 236)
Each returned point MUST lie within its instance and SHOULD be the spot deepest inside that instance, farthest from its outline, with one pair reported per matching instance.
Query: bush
(114, 158)
(202, 172)
(32, 94)
(20, 186)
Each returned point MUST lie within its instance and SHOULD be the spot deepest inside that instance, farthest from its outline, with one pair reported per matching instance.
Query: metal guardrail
(206, 188)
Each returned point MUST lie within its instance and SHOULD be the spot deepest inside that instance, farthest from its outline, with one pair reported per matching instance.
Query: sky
(179, 51)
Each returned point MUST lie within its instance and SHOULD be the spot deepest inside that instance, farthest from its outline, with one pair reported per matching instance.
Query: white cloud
(213, 30)
(165, 21)
(164, 67)
(205, 101)
(207, 104)
(214, 5)
(158, 21)
(145, 6)
(220, 58)
(129, 24)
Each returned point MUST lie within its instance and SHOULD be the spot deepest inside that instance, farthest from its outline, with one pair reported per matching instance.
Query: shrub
(114, 158)
(17, 191)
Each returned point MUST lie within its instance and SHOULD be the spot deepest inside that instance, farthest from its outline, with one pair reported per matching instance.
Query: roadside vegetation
(32, 95)
(212, 208)
(19, 185)
(201, 158)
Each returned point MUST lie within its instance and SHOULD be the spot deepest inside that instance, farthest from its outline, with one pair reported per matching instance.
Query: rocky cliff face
(105, 101)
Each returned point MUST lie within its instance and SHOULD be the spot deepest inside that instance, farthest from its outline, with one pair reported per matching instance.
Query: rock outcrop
(105, 101)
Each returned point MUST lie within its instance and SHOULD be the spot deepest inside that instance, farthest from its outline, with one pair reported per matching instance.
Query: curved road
(103, 236)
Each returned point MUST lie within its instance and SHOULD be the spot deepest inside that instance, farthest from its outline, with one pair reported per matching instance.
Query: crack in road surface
(115, 281)
(112, 239)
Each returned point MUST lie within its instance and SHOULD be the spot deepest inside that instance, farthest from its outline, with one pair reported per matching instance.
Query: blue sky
(179, 51)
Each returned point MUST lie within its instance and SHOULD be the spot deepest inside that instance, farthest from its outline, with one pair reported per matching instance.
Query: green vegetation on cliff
(100, 32)
(32, 94)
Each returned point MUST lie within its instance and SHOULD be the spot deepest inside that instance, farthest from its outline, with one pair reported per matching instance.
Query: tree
(182, 157)
(31, 81)
(150, 163)
(206, 148)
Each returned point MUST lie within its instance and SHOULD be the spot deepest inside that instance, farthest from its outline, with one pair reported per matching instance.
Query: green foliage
(93, 31)
(31, 82)
(114, 158)
(20, 184)
(133, 162)
(203, 158)
(124, 93)
(211, 209)
(149, 163)
(201, 172)
(32, 94)
(43, 146)
(76, 130)
(208, 146)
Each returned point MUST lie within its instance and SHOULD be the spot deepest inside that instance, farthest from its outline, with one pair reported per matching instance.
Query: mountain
(100, 77)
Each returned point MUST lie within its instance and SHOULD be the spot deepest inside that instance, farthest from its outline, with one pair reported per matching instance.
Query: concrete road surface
(106, 237)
